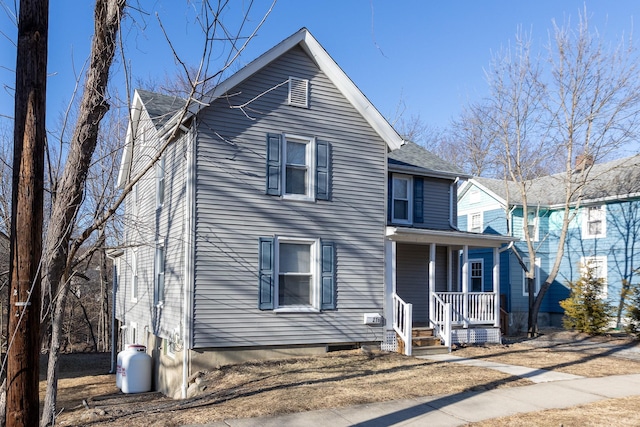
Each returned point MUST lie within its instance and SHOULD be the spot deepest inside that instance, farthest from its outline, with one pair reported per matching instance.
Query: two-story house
(263, 225)
(604, 233)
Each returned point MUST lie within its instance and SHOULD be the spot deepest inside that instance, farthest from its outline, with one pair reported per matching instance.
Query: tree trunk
(27, 213)
(49, 409)
(70, 188)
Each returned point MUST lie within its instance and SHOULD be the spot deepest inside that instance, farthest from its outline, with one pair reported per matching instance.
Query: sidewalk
(552, 390)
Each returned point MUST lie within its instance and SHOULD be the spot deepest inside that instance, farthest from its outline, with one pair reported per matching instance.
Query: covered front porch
(432, 282)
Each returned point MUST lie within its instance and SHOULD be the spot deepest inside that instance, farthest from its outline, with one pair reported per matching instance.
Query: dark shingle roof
(615, 179)
(160, 107)
(414, 158)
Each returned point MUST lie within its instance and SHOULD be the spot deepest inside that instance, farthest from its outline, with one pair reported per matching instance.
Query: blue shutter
(266, 273)
(323, 170)
(328, 277)
(418, 200)
(274, 164)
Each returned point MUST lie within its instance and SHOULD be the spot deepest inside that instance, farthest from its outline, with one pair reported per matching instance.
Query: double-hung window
(476, 275)
(159, 275)
(598, 267)
(296, 274)
(298, 167)
(532, 226)
(525, 283)
(134, 276)
(594, 222)
(298, 178)
(475, 222)
(401, 203)
(160, 182)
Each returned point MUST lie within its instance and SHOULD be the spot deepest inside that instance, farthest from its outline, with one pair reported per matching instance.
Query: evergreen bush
(633, 312)
(586, 310)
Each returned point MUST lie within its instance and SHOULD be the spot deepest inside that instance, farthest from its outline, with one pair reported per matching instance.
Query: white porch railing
(473, 308)
(441, 320)
(402, 322)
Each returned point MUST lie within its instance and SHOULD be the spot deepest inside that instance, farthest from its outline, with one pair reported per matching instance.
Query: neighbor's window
(401, 199)
(594, 222)
(532, 225)
(475, 222)
(598, 264)
(525, 285)
(476, 275)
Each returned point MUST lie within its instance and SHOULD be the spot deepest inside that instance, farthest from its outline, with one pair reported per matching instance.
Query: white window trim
(585, 222)
(310, 153)
(470, 221)
(315, 276)
(409, 180)
(525, 289)
(159, 302)
(133, 333)
(135, 278)
(481, 261)
(585, 261)
(161, 181)
(535, 221)
(135, 200)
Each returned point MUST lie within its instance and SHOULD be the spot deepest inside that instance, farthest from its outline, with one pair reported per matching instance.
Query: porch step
(424, 342)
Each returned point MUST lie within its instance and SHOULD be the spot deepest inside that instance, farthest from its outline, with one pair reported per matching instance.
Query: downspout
(188, 256)
(114, 288)
(452, 224)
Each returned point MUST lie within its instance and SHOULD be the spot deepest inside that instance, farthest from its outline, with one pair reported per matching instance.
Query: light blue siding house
(263, 225)
(604, 233)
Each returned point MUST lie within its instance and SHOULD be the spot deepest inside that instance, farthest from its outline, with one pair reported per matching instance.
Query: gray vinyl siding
(144, 231)
(437, 202)
(412, 278)
(233, 212)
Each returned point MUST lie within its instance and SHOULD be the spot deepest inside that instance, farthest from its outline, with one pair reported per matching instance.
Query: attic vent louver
(299, 92)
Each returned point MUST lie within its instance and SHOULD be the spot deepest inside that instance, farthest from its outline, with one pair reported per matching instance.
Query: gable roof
(412, 158)
(615, 180)
(167, 110)
(160, 107)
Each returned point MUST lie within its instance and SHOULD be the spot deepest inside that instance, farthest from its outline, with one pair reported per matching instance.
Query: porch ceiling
(449, 238)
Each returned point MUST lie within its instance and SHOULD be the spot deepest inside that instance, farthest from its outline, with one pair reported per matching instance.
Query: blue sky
(430, 55)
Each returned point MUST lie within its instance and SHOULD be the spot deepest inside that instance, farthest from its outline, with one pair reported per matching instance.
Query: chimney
(583, 161)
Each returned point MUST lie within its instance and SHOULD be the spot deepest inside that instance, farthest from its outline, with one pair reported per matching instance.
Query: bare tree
(65, 236)
(581, 100)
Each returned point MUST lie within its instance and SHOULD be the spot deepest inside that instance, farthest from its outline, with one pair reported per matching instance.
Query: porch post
(432, 281)
(465, 286)
(389, 281)
(449, 270)
(496, 286)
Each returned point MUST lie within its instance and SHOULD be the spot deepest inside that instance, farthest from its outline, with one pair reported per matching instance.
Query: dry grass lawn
(336, 379)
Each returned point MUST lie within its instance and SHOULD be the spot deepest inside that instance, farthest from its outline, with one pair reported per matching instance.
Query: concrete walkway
(552, 390)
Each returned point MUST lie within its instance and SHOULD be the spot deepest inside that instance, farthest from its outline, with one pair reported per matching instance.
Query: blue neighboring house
(604, 233)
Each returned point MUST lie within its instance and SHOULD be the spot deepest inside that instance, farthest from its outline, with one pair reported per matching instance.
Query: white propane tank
(133, 371)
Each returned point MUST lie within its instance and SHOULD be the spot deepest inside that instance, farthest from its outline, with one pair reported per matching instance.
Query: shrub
(633, 312)
(586, 310)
